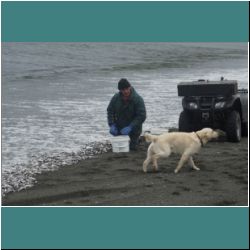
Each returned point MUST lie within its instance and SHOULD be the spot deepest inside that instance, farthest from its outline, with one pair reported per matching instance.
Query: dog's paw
(176, 171)
(155, 168)
(196, 168)
(144, 170)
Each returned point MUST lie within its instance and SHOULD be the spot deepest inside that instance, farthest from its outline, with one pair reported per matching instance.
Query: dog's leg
(152, 158)
(145, 163)
(155, 164)
(148, 159)
(157, 156)
(183, 159)
(191, 162)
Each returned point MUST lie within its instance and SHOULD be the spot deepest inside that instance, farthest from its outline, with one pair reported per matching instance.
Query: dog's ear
(207, 134)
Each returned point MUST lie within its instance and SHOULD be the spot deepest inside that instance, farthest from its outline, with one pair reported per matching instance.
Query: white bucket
(120, 143)
(158, 131)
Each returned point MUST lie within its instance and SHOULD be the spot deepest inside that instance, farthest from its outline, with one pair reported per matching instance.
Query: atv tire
(184, 122)
(233, 127)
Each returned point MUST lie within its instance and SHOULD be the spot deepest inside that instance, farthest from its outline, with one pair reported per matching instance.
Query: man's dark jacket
(128, 113)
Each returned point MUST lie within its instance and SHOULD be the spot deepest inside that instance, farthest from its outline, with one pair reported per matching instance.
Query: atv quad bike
(214, 104)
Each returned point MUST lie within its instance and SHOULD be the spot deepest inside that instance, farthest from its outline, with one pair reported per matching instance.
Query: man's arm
(111, 111)
(140, 113)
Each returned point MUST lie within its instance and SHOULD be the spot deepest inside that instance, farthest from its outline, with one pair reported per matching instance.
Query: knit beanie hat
(123, 84)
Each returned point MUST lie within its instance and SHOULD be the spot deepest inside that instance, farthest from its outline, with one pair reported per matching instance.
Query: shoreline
(116, 179)
(21, 176)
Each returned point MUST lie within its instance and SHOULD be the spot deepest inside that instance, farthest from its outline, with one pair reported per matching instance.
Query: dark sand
(116, 179)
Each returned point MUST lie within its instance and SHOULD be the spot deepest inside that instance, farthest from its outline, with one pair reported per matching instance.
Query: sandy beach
(116, 179)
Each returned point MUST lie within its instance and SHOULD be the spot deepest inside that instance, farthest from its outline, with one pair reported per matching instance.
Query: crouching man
(126, 113)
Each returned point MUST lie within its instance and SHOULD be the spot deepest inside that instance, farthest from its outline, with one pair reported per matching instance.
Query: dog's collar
(199, 139)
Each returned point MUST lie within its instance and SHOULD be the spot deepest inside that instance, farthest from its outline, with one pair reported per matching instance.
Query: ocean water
(55, 95)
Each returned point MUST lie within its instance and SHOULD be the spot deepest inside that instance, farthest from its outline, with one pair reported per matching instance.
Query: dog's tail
(150, 138)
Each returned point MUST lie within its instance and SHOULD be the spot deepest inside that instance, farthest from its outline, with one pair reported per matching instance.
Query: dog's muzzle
(220, 132)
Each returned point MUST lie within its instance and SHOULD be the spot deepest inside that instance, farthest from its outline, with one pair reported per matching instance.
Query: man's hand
(126, 130)
(113, 130)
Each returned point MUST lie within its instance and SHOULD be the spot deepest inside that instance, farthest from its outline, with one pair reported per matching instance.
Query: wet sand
(116, 179)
